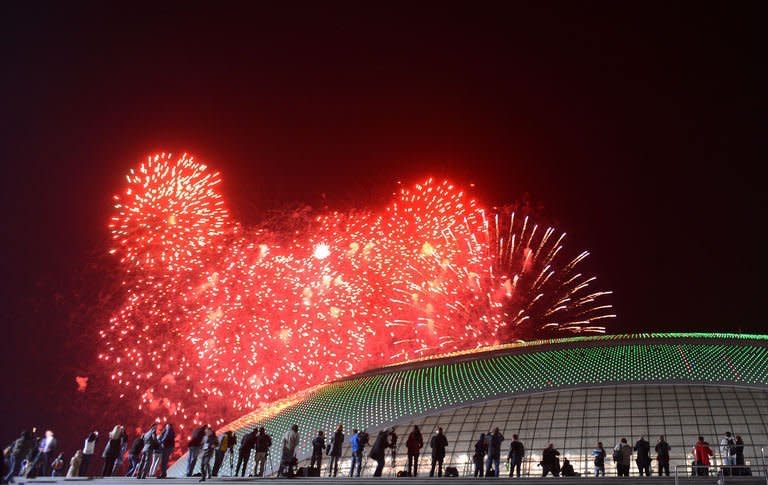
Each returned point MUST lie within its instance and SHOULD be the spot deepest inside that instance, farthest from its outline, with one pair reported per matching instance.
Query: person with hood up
(414, 444)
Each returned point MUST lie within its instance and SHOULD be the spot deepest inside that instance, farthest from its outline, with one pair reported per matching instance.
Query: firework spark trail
(218, 319)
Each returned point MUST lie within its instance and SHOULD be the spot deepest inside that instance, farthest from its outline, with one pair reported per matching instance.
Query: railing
(582, 461)
(722, 472)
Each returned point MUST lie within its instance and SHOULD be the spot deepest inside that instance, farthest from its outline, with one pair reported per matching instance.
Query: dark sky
(638, 127)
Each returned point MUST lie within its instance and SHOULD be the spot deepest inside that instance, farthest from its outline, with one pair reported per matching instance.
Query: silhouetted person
(193, 448)
(414, 444)
(738, 449)
(167, 444)
(318, 446)
(550, 463)
(244, 454)
(378, 452)
(150, 445)
(494, 440)
(209, 445)
(438, 443)
(622, 456)
(481, 449)
(263, 442)
(643, 458)
(393, 445)
(134, 454)
(662, 455)
(19, 451)
(567, 469)
(113, 449)
(516, 455)
(336, 442)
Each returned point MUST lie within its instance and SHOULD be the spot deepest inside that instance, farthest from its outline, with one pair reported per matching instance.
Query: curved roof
(387, 395)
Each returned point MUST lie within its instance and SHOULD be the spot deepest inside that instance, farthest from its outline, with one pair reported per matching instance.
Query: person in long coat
(336, 442)
(378, 452)
(414, 444)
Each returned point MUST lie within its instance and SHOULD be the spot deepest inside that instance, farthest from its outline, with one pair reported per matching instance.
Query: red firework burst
(218, 320)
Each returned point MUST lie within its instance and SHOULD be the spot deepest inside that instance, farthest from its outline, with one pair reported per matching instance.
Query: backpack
(600, 459)
(617, 455)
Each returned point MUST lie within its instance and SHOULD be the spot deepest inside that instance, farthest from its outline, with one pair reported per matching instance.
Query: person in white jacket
(290, 442)
(89, 448)
(727, 446)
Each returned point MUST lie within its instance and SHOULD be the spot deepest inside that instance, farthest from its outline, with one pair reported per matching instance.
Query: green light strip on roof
(371, 401)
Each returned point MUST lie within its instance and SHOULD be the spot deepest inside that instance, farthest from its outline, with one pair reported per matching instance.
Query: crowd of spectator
(149, 452)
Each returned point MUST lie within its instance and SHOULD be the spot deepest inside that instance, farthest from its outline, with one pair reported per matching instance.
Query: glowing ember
(218, 320)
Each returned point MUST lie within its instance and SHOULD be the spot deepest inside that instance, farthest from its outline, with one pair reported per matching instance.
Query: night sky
(637, 128)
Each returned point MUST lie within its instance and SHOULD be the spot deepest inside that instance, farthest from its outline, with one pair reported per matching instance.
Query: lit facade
(570, 392)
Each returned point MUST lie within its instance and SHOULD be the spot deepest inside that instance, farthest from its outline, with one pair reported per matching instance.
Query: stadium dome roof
(386, 396)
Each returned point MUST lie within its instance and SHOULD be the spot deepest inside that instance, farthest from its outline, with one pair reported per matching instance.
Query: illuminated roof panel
(375, 400)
